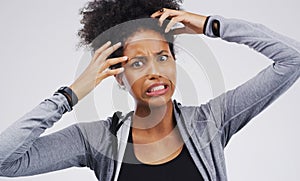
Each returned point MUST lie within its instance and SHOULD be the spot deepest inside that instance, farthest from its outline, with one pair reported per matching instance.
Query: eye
(137, 62)
(163, 58)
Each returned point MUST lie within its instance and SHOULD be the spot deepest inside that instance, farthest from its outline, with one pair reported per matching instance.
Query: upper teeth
(161, 87)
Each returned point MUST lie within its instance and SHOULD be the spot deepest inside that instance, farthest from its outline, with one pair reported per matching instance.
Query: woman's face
(150, 73)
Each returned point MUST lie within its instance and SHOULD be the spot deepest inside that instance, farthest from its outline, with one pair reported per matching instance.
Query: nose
(153, 69)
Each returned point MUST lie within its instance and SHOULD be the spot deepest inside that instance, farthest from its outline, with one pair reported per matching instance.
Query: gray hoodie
(205, 129)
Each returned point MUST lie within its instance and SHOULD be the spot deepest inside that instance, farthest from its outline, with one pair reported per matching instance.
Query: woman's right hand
(97, 70)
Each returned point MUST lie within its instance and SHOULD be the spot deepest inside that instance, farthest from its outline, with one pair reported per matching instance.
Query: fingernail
(125, 58)
(121, 69)
(109, 42)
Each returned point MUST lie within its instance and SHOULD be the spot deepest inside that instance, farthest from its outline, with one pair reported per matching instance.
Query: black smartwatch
(69, 94)
(215, 26)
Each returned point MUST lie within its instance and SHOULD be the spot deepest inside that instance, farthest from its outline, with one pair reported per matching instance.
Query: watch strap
(69, 94)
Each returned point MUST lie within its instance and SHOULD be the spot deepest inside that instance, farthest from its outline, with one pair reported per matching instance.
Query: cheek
(134, 85)
(170, 72)
(131, 79)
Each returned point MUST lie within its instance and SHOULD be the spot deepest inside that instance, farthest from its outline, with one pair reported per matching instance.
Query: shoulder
(100, 129)
(201, 115)
(93, 128)
(193, 112)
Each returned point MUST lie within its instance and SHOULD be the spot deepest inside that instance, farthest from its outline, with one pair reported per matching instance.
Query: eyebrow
(161, 52)
(142, 56)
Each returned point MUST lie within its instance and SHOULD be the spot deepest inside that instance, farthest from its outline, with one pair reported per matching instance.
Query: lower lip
(158, 93)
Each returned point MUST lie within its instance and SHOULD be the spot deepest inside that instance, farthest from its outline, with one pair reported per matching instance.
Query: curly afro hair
(100, 15)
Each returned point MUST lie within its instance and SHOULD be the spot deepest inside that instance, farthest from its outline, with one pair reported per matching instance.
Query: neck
(154, 120)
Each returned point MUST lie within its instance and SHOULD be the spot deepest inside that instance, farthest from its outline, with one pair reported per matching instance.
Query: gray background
(38, 55)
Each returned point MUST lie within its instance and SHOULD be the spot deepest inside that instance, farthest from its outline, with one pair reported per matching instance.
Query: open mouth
(157, 90)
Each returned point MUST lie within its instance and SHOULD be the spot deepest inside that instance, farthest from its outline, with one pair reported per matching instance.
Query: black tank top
(180, 168)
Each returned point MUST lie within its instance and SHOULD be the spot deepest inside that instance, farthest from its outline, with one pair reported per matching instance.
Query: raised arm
(22, 150)
(235, 108)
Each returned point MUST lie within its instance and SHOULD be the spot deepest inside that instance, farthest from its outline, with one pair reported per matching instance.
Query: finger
(179, 31)
(109, 72)
(107, 52)
(172, 23)
(163, 10)
(163, 17)
(158, 13)
(168, 13)
(101, 49)
(113, 61)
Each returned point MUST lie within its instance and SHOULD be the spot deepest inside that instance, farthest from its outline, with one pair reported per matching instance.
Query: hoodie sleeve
(22, 150)
(235, 108)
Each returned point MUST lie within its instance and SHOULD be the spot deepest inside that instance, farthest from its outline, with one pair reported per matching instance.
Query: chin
(156, 102)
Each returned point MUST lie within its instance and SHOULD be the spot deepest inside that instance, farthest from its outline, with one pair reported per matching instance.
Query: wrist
(69, 94)
(203, 23)
(212, 25)
(78, 90)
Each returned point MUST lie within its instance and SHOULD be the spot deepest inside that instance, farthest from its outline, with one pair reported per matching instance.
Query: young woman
(160, 139)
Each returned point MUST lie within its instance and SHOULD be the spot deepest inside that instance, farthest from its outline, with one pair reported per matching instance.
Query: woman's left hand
(193, 23)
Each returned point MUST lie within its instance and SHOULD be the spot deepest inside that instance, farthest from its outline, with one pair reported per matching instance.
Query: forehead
(144, 41)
